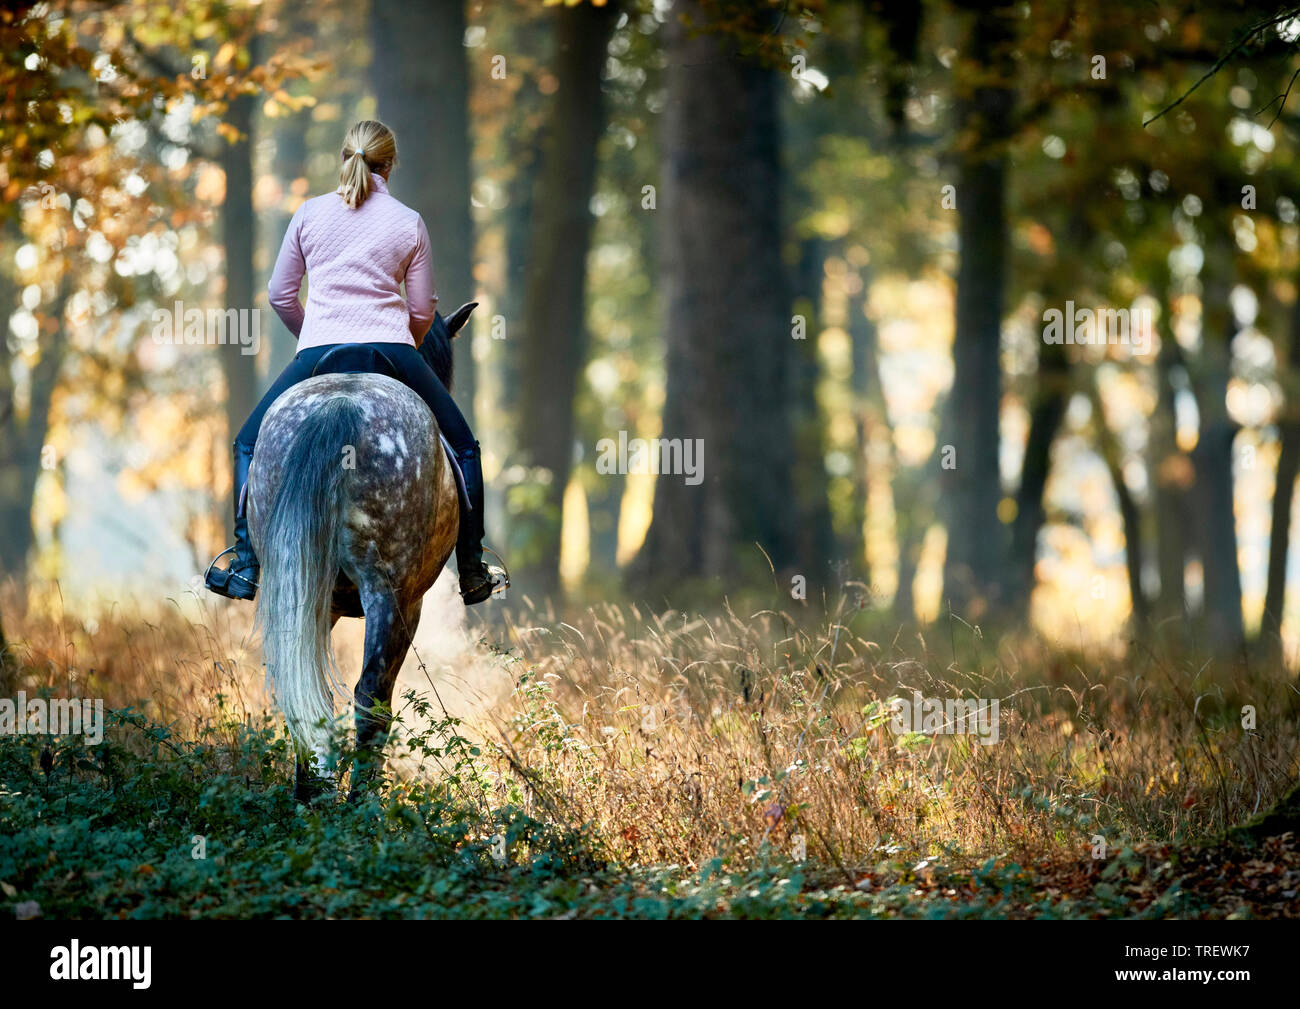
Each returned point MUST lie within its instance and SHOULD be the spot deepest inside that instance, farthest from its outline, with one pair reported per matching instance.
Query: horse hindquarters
(300, 563)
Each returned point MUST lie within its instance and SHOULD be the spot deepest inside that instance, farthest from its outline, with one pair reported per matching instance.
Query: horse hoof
(307, 788)
(306, 796)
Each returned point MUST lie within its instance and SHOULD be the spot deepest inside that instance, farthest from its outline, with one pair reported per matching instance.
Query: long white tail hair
(300, 562)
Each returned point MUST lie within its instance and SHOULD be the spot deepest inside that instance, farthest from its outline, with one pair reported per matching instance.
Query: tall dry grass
(680, 738)
(174, 660)
(765, 731)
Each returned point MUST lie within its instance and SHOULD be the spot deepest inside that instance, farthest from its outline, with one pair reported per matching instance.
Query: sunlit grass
(677, 738)
(684, 737)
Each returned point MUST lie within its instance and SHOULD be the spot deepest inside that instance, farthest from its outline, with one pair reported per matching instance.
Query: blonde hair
(368, 147)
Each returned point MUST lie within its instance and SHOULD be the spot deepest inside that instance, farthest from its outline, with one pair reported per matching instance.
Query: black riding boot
(239, 580)
(477, 580)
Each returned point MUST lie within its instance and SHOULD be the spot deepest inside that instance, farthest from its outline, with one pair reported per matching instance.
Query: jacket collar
(377, 184)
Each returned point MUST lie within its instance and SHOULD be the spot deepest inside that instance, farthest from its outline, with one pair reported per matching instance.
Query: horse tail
(300, 563)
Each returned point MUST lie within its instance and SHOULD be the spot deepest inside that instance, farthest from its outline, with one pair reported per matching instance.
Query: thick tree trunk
(1217, 524)
(972, 568)
(519, 226)
(421, 83)
(1288, 466)
(554, 324)
(22, 440)
(13, 552)
(815, 545)
(726, 321)
(238, 236)
(289, 166)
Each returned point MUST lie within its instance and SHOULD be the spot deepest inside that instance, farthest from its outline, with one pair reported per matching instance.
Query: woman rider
(359, 244)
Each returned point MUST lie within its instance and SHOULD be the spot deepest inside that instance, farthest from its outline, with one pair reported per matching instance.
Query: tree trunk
(1047, 411)
(554, 316)
(1052, 394)
(727, 303)
(1288, 465)
(1173, 476)
(421, 84)
(519, 225)
(13, 553)
(866, 401)
(238, 235)
(8, 665)
(1129, 513)
(289, 165)
(815, 543)
(972, 567)
(1212, 459)
(22, 439)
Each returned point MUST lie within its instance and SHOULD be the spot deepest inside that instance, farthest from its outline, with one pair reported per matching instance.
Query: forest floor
(146, 825)
(738, 771)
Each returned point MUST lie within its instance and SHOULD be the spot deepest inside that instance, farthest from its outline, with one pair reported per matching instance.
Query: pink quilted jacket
(357, 261)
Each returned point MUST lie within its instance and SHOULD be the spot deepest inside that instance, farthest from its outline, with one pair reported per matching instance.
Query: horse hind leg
(390, 629)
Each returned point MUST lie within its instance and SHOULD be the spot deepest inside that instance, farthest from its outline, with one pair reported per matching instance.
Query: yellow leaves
(112, 36)
(229, 133)
(282, 103)
(225, 55)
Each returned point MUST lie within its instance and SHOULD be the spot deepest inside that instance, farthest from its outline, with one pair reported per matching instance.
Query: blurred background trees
(818, 238)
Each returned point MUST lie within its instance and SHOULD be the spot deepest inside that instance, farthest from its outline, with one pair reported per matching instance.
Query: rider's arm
(421, 298)
(286, 278)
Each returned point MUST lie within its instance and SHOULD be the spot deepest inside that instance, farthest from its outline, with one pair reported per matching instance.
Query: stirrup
(500, 566)
(223, 576)
(498, 577)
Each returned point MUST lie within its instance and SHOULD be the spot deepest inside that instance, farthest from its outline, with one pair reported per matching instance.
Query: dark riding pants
(412, 370)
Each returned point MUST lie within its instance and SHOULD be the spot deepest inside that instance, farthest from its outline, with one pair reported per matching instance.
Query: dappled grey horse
(353, 510)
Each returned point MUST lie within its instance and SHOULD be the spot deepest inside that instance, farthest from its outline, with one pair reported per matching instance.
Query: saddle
(353, 358)
(356, 358)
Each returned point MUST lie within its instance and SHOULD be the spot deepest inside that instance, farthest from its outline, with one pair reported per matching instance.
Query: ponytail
(368, 147)
(354, 179)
